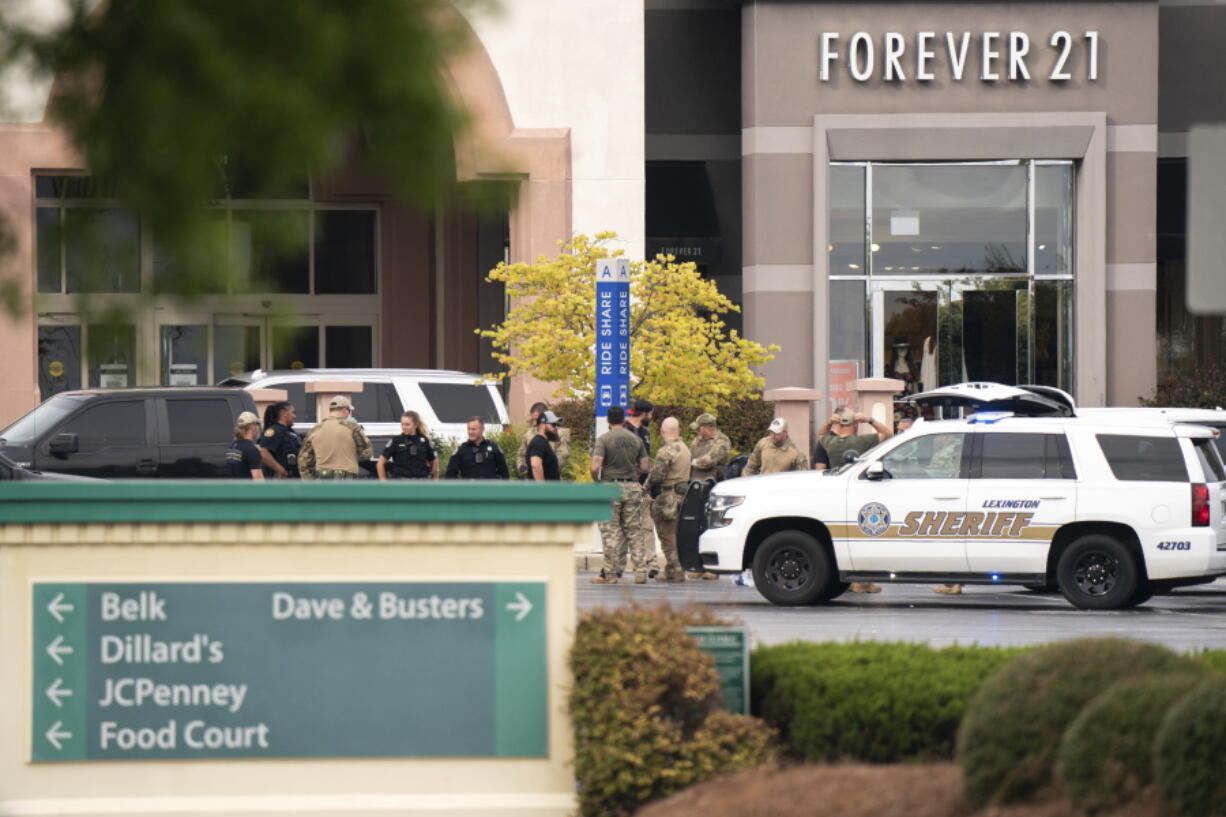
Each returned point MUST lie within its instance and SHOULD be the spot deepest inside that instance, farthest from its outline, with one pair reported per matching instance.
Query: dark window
(930, 456)
(269, 251)
(109, 424)
(456, 402)
(348, 347)
(102, 247)
(74, 187)
(295, 347)
(1150, 459)
(1058, 451)
(1210, 464)
(199, 421)
(47, 228)
(345, 252)
(1023, 456)
(377, 403)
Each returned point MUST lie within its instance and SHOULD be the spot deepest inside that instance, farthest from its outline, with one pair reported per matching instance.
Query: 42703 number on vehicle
(1174, 546)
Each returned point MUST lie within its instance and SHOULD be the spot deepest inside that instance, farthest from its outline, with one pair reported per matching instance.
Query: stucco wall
(578, 64)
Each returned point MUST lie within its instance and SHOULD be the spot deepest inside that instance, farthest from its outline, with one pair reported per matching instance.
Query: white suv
(1110, 506)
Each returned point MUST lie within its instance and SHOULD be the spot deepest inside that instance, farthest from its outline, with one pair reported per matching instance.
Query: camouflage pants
(624, 532)
(666, 529)
(649, 534)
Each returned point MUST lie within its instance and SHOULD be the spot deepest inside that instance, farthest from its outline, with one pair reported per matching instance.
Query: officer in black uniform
(279, 444)
(478, 458)
(409, 453)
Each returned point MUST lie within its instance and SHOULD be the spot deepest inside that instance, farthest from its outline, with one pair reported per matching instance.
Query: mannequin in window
(900, 368)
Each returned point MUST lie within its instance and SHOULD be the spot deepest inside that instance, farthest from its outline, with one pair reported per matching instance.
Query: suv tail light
(1200, 505)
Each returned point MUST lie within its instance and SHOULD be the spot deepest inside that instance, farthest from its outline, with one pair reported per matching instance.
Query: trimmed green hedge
(1014, 723)
(869, 701)
(1188, 752)
(1106, 756)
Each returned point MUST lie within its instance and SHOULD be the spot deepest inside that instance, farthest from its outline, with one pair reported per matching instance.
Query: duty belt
(332, 473)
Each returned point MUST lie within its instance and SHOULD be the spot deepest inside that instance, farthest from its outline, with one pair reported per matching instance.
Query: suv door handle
(946, 498)
(146, 466)
(1052, 498)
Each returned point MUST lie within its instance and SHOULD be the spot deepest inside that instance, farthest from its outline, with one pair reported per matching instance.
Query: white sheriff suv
(1110, 506)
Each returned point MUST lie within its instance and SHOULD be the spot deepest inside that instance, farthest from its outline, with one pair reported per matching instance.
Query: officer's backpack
(736, 466)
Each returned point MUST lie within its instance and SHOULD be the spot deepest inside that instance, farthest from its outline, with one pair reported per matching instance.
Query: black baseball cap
(642, 406)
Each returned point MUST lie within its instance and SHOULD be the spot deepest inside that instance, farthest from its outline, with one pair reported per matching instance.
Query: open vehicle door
(691, 522)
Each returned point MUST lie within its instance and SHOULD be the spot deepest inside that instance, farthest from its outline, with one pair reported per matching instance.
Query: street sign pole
(612, 337)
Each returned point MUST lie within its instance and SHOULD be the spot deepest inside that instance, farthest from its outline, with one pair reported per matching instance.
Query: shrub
(869, 701)
(1013, 725)
(646, 711)
(1213, 659)
(1106, 756)
(1204, 387)
(1188, 752)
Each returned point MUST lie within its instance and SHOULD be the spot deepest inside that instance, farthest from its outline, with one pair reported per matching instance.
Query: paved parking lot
(1191, 618)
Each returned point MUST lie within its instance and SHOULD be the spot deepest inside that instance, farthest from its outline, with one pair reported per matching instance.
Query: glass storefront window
(968, 273)
(59, 359)
(949, 219)
(112, 356)
(269, 251)
(345, 252)
(236, 349)
(295, 347)
(101, 250)
(185, 355)
(1053, 219)
(847, 224)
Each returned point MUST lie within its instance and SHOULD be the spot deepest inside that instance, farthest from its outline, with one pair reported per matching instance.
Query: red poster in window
(840, 377)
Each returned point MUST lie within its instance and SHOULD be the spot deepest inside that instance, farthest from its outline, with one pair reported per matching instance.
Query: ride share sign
(289, 669)
(612, 334)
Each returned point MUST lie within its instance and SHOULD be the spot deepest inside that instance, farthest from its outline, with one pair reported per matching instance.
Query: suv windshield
(38, 422)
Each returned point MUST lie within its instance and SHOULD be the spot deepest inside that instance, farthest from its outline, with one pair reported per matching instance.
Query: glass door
(991, 320)
(906, 335)
(238, 344)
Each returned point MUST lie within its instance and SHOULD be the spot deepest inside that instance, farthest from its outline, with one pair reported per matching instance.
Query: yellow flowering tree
(681, 351)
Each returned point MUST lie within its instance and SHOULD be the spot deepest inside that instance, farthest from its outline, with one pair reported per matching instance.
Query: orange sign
(841, 375)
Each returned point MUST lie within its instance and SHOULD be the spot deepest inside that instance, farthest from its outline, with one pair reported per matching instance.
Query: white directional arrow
(56, 648)
(55, 608)
(54, 735)
(521, 606)
(56, 691)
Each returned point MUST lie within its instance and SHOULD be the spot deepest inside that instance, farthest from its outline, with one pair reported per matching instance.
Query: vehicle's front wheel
(1096, 572)
(792, 568)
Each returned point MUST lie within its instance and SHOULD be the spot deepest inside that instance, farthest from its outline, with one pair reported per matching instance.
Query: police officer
(709, 458)
(668, 480)
(243, 457)
(409, 453)
(561, 446)
(638, 418)
(619, 456)
(280, 444)
(542, 462)
(478, 458)
(776, 452)
(335, 446)
(710, 451)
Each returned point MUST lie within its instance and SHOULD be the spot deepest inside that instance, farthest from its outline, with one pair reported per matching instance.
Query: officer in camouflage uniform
(561, 448)
(619, 456)
(710, 454)
(710, 451)
(667, 482)
(335, 446)
(776, 452)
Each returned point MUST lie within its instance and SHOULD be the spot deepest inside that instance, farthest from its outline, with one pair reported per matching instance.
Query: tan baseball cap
(778, 425)
(704, 419)
(247, 418)
(340, 401)
(846, 416)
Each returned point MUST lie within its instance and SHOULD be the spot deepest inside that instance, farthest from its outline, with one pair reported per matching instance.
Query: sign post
(612, 337)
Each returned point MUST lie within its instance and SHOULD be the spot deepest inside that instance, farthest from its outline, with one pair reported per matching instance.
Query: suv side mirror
(850, 456)
(63, 444)
(876, 471)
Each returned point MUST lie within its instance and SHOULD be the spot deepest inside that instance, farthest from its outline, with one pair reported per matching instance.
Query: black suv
(129, 433)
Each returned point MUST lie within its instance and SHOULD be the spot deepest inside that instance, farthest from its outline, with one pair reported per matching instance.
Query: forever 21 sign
(1001, 55)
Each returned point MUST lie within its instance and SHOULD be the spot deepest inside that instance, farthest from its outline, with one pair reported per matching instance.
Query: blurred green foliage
(1188, 752)
(175, 104)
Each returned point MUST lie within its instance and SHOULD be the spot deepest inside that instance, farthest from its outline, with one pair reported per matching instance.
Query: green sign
(730, 649)
(289, 669)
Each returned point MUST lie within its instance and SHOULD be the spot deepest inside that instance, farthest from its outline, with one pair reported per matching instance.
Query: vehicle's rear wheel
(792, 568)
(1144, 592)
(835, 590)
(1096, 572)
